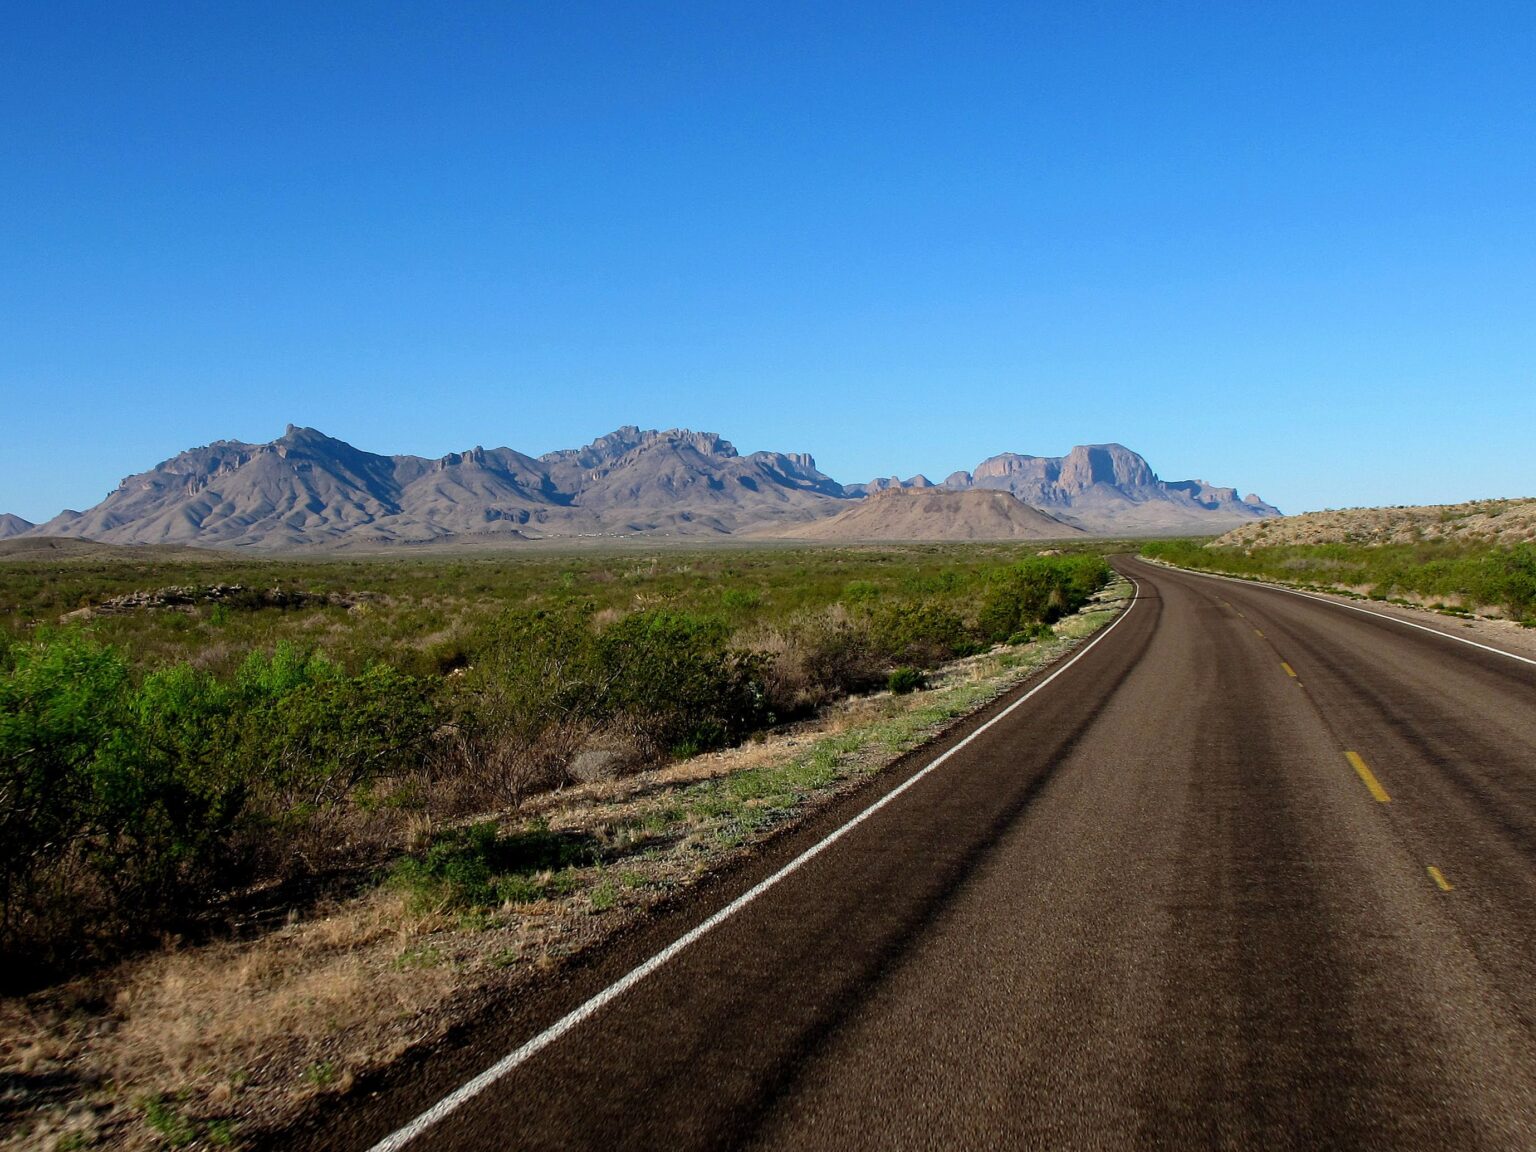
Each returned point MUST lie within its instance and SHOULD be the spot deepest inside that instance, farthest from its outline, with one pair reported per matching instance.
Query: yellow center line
(1289, 671)
(1367, 777)
(1259, 633)
(1439, 878)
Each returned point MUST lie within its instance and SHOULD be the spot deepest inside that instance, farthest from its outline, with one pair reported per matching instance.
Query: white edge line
(473, 1087)
(1352, 608)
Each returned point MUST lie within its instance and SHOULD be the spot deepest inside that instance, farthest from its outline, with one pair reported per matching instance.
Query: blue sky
(1285, 246)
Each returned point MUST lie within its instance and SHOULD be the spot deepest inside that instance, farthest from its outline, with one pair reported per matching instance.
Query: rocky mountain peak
(1114, 464)
(705, 443)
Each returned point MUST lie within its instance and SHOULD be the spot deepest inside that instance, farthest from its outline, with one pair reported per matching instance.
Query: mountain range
(306, 489)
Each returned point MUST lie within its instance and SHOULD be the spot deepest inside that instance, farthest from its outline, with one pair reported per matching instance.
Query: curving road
(1255, 871)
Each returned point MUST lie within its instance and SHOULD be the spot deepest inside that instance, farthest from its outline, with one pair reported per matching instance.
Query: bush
(1502, 577)
(120, 804)
(675, 674)
(168, 794)
(671, 679)
(61, 700)
(312, 735)
(1513, 582)
(1035, 592)
(922, 633)
(904, 680)
(816, 658)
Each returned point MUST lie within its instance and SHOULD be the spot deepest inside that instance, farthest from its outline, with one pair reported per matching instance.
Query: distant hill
(1476, 522)
(308, 489)
(934, 514)
(13, 526)
(1111, 491)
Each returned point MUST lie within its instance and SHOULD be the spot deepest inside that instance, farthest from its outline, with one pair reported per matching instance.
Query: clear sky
(1286, 246)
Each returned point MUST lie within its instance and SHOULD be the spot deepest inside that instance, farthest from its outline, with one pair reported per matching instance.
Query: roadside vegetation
(1451, 575)
(186, 739)
(227, 1042)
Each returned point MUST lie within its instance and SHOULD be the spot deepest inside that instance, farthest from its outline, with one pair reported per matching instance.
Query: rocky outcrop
(888, 484)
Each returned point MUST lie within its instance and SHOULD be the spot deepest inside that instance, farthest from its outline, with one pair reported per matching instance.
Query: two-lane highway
(1255, 871)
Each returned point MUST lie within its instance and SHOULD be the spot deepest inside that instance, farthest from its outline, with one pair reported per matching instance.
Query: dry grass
(230, 1029)
(216, 1043)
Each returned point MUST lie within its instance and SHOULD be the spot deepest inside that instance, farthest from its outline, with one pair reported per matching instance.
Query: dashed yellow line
(1439, 878)
(1289, 671)
(1259, 633)
(1368, 778)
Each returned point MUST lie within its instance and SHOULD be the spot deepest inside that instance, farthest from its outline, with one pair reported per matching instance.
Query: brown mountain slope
(933, 514)
(13, 526)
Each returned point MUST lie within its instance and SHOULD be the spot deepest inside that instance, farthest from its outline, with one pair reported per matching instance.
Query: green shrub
(168, 795)
(1439, 569)
(675, 675)
(1035, 592)
(1513, 583)
(903, 680)
(670, 677)
(120, 804)
(312, 735)
(62, 698)
(921, 633)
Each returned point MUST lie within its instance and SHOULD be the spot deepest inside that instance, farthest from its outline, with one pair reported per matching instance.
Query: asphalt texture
(1158, 906)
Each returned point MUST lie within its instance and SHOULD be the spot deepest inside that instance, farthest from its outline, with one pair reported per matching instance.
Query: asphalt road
(1254, 872)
